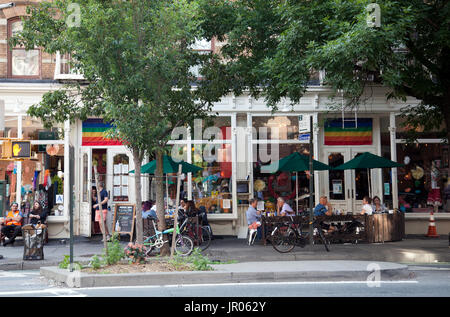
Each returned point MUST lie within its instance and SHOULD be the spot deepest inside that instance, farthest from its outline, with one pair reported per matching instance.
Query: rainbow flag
(351, 134)
(94, 131)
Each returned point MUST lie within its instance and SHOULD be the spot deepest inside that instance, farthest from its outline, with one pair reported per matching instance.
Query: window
(22, 63)
(202, 47)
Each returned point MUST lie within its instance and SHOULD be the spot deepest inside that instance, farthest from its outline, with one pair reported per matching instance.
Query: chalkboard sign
(124, 219)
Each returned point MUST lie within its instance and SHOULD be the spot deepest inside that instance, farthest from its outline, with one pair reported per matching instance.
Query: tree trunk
(160, 210)
(137, 185)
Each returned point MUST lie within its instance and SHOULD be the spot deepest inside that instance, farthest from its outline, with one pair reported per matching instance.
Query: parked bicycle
(285, 236)
(201, 235)
(183, 245)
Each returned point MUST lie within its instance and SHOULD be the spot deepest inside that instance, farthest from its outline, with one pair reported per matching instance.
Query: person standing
(104, 209)
(12, 224)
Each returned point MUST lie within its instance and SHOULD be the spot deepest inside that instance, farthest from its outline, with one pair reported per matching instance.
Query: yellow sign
(21, 149)
(15, 149)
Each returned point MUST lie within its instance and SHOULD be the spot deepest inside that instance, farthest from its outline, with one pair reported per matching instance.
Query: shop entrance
(346, 189)
(113, 165)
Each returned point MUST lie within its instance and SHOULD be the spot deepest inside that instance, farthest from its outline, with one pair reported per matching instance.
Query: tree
(136, 59)
(273, 45)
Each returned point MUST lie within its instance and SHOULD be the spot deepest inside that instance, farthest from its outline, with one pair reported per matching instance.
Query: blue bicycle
(183, 245)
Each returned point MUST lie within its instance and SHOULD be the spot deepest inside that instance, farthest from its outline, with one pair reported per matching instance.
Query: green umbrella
(169, 166)
(368, 160)
(295, 162)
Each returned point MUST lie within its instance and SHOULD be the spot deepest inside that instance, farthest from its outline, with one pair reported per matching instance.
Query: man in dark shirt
(104, 204)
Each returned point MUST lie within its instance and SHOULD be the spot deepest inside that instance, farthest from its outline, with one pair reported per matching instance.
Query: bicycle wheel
(184, 245)
(283, 240)
(324, 240)
(205, 238)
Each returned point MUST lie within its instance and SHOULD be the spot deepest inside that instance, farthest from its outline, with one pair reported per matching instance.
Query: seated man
(254, 217)
(12, 224)
(324, 208)
(283, 209)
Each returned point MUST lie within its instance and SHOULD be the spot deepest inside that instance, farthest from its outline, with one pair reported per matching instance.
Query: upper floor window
(202, 46)
(22, 63)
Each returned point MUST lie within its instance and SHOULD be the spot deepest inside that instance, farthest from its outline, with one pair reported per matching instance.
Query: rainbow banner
(94, 133)
(351, 134)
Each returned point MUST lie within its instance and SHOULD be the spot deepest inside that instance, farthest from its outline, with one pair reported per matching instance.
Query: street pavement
(412, 250)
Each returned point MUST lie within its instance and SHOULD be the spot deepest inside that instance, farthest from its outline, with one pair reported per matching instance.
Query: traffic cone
(432, 227)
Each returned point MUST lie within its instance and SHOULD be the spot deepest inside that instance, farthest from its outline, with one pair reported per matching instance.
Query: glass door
(338, 182)
(360, 181)
(86, 191)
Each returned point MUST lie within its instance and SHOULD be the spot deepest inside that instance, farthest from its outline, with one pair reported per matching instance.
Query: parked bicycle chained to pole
(285, 236)
(200, 234)
(183, 245)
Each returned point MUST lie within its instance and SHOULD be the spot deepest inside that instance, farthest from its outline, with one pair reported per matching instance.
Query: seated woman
(147, 210)
(37, 214)
(367, 207)
(377, 206)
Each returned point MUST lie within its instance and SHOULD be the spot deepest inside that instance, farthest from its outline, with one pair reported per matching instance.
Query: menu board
(124, 219)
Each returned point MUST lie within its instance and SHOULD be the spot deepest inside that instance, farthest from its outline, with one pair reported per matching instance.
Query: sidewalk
(412, 250)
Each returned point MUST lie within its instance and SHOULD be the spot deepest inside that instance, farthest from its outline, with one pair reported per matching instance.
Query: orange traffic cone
(432, 227)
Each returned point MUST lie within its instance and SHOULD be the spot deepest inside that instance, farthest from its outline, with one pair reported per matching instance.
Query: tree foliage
(273, 45)
(136, 60)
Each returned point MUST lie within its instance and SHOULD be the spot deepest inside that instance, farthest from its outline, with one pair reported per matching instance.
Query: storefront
(250, 137)
(247, 136)
(44, 177)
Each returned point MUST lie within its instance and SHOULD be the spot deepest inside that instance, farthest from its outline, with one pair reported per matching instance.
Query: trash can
(33, 238)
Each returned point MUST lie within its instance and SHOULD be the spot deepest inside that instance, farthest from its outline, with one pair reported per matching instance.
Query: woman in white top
(367, 207)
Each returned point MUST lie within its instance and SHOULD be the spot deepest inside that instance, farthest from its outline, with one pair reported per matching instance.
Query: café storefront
(251, 137)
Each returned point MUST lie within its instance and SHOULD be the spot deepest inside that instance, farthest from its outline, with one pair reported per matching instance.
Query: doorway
(346, 188)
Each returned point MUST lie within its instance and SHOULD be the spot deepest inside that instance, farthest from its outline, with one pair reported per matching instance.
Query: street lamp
(7, 5)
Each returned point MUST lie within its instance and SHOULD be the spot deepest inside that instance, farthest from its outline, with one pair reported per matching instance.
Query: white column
(19, 164)
(392, 129)
(250, 153)
(67, 191)
(233, 164)
(315, 134)
(189, 160)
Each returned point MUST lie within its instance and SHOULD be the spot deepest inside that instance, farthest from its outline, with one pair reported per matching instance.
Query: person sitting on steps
(12, 224)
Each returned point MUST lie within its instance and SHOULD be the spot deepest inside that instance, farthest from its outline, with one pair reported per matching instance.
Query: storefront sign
(303, 123)
(387, 189)
(304, 137)
(59, 199)
(337, 187)
(123, 222)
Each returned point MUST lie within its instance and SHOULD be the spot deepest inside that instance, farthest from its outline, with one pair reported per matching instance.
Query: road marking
(243, 284)
(60, 292)
(11, 274)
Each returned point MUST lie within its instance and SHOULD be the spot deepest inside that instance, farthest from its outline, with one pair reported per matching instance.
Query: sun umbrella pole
(296, 192)
(311, 181)
(167, 192)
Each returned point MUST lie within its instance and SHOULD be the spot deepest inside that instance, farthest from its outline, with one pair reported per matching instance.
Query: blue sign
(304, 137)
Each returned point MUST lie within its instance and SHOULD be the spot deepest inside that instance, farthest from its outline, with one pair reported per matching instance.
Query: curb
(78, 279)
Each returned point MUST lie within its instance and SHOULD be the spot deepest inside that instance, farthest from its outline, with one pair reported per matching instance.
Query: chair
(252, 233)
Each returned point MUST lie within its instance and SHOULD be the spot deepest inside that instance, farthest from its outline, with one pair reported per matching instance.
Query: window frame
(10, 22)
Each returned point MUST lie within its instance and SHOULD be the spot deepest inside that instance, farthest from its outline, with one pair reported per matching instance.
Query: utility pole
(311, 182)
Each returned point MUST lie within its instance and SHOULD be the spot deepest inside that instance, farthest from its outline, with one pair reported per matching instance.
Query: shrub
(135, 252)
(115, 251)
